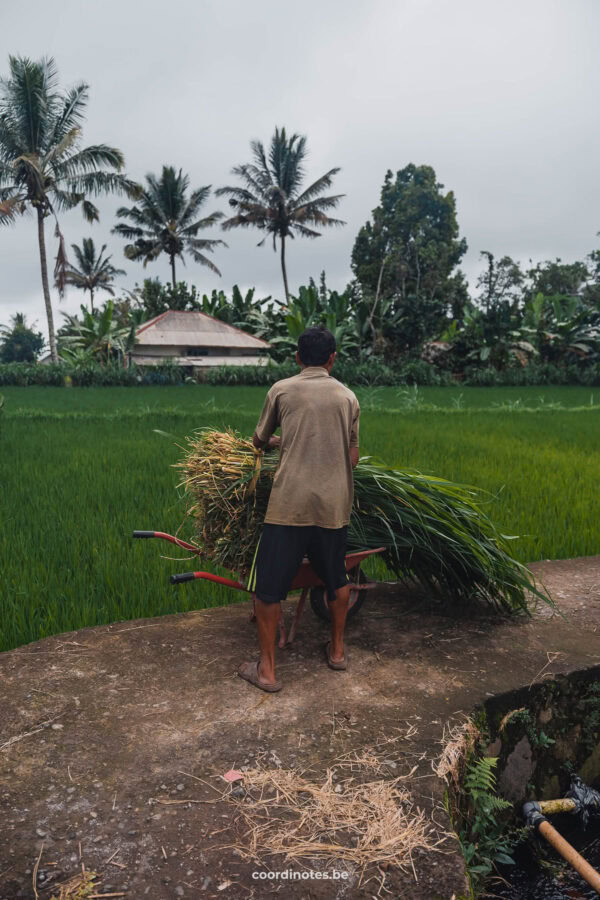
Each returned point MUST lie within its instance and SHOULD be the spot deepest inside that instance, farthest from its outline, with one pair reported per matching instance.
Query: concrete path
(110, 737)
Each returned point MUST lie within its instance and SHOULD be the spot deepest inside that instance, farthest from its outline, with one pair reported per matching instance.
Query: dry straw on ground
(80, 887)
(458, 742)
(361, 824)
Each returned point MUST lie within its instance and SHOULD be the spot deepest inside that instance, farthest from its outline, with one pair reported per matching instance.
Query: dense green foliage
(18, 342)
(483, 835)
(83, 372)
(93, 465)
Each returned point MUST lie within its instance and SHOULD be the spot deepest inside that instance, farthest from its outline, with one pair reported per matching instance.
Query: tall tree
(164, 221)
(42, 165)
(556, 278)
(272, 199)
(95, 272)
(408, 252)
(501, 283)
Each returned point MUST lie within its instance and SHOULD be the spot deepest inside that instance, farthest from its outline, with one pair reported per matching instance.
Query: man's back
(319, 423)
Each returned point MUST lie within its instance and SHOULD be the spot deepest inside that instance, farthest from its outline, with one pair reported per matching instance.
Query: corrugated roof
(194, 329)
(199, 361)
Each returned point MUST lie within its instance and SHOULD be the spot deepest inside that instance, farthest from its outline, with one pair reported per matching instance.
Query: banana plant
(562, 327)
(99, 334)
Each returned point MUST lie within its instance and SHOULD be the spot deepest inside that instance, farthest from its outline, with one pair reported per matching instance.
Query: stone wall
(543, 733)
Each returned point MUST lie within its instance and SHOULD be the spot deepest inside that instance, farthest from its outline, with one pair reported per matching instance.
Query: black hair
(315, 346)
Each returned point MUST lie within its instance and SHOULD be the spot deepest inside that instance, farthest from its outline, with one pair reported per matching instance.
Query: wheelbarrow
(306, 580)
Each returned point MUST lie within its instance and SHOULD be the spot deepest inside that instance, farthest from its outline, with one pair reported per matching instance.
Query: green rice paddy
(80, 469)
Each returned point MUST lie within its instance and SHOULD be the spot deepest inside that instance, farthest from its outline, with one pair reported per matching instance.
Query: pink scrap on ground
(233, 775)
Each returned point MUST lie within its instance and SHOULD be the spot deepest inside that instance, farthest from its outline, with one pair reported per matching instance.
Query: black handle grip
(178, 579)
(144, 534)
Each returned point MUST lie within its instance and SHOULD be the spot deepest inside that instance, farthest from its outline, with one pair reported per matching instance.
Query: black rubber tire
(320, 608)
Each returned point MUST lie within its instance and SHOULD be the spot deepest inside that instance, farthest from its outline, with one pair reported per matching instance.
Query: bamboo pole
(568, 853)
(551, 807)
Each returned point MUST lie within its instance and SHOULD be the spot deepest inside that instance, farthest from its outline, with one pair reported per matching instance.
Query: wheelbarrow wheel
(319, 603)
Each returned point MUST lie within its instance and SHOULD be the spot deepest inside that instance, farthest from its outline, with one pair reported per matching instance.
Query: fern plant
(483, 837)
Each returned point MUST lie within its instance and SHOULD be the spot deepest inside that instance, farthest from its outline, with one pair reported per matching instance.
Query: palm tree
(95, 273)
(271, 197)
(41, 163)
(164, 221)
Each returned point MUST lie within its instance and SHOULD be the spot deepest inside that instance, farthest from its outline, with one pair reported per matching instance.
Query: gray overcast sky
(500, 97)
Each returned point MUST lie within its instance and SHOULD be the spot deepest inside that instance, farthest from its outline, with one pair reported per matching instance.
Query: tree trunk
(92, 300)
(285, 281)
(46, 289)
(173, 272)
(374, 308)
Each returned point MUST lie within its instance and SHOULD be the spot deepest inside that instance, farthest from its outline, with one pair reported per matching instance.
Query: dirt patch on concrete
(114, 739)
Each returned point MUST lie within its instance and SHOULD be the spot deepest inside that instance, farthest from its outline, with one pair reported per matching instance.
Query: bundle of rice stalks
(432, 530)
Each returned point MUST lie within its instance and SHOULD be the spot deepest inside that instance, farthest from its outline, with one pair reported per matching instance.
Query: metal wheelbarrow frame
(306, 580)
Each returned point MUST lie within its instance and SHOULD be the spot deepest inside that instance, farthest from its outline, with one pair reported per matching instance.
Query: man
(311, 498)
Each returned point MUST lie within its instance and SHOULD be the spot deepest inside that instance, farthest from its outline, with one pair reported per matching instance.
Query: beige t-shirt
(319, 423)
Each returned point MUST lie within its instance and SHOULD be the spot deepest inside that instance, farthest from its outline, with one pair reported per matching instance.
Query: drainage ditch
(527, 745)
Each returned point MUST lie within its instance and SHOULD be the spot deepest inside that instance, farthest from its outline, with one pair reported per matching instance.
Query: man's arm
(268, 422)
(354, 435)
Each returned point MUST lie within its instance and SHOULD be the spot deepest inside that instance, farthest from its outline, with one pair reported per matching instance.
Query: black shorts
(281, 550)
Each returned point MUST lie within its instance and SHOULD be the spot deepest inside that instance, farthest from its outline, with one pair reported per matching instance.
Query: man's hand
(353, 457)
(272, 444)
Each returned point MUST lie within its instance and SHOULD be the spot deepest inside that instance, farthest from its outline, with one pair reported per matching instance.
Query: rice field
(80, 469)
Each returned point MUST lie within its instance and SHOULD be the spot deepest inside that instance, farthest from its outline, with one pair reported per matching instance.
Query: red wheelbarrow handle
(305, 578)
(166, 537)
(208, 576)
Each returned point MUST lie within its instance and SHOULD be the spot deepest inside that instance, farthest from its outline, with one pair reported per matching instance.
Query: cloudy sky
(500, 97)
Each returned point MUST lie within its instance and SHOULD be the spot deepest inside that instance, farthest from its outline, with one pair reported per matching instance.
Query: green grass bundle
(432, 530)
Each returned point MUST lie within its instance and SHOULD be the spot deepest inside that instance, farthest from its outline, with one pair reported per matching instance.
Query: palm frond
(97, 183)
(10, 145)
(29, 100)
(71, 115)
(131, 232)
(303, 230)
(196, 200)
(203, 260)
(91, 213)
(317, 187)
(59, 149)
(61, 267)
(212, 219)
(10, 208)
(256, 216)
(64, 200)
(205, 243)
(90, 159)
(240, 195)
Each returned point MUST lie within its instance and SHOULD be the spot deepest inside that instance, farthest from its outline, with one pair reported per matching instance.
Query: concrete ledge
(97, 724)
